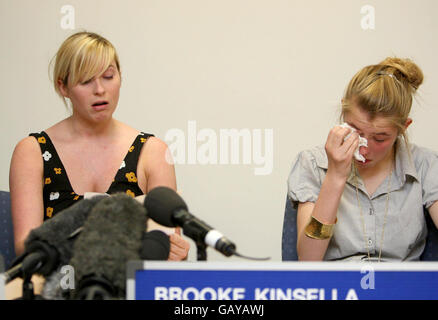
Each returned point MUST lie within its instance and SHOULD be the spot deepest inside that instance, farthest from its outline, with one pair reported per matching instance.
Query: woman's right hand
(340, 152)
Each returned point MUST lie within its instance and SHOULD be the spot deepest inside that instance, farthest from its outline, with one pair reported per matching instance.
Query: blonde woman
(89, 151)
(367, 206)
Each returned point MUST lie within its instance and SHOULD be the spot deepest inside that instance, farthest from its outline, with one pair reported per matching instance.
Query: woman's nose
(363, 151)
(98, 87)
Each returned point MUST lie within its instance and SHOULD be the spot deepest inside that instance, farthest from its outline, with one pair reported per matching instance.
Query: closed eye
(86, 81)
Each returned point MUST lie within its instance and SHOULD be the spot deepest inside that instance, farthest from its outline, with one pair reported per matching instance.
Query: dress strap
(126, 178)
(58, 193)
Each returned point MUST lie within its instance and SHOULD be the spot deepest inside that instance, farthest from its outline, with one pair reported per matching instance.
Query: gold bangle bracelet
(318, 230)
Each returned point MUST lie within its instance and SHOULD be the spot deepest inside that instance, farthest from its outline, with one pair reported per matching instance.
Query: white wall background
(256, 64)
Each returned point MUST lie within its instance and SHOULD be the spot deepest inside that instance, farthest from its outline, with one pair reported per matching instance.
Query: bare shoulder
(156, 150)
(26, 159)
(26, 170)
(28, 147)
(158, 164)
(155, 144)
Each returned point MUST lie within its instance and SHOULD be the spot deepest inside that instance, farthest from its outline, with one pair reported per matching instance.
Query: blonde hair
(81, 57)
(385, 89)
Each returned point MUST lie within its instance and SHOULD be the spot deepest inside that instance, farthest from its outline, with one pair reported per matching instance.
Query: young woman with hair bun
(362, 195)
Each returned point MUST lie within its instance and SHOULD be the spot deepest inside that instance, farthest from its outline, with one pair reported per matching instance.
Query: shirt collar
(404, 163)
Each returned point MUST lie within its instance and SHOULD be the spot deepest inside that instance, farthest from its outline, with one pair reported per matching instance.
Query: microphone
(155, 246)
(51, 244)
(111, 237)
(166, 207)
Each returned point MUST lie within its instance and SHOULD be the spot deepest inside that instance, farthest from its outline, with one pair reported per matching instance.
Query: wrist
(335, 180)
(326, 206)
(315, 229)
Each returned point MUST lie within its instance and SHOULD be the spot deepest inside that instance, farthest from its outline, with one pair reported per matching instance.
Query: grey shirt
(414, 185)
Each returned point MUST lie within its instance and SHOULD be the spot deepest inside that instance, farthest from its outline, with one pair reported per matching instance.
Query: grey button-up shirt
(414, 185)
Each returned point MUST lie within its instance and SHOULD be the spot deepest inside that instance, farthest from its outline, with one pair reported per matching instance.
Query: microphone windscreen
(111, 237)
(155, 246)
(56, 231)
(53, 286)
(161, 203)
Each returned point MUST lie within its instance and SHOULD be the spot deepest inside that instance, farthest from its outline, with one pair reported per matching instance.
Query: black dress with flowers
(58, 193)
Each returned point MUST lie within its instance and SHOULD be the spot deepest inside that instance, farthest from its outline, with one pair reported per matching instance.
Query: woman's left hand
(179, 247)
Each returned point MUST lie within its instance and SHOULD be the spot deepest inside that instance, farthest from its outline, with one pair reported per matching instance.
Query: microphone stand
(28, 293)
(201, 248)
(28, 289)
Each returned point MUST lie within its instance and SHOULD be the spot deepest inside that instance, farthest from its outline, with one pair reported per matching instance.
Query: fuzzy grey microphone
(51, 245)
(112, 235)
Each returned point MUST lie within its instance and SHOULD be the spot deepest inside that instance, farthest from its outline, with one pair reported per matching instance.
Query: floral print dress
(58, 193)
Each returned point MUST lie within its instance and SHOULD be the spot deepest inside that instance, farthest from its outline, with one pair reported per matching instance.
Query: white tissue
(89, 195)
(362, 142)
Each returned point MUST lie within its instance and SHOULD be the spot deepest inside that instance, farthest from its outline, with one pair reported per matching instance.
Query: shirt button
(370, 242)
(371, 211)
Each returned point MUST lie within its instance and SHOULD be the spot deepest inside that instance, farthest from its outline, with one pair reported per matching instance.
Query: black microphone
(166, 207)
(51, 244)
(111, 237)
(155, 246)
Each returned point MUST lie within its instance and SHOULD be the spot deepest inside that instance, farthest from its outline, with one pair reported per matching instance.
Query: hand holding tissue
(362, 142)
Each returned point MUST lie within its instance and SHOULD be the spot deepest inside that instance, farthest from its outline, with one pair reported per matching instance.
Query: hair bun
(405, 68)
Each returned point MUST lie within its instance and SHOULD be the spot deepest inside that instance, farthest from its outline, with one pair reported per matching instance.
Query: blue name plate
(151, 280)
